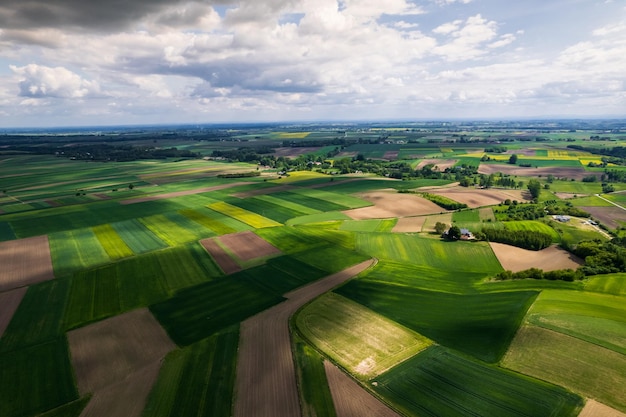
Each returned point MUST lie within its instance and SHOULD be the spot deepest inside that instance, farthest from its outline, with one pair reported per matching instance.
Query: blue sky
(74, 62)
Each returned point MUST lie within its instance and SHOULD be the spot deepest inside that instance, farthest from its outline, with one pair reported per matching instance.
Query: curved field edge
(585, 368)
(360, 340)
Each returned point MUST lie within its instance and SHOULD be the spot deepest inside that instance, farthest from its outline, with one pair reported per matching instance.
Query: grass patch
(585, 368)
(330, 216)
(438, 382)
(610, 284)
(373, 225)
(593, 317)
(357, 338)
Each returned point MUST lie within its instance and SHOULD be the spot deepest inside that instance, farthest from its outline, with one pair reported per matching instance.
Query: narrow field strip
(266, 381)
(247, 246)
(24, 262)
(252, 219)
(112, 243)
(175, 194)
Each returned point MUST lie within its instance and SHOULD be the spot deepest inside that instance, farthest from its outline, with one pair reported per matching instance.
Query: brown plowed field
(24, 262)
(558, 172)
(596, 409)
(517, 259)
(125, 398)
(247, 246)
(165, 196)
(9, 302)
(108, 351)
(220, 256)
(350, 399)
(608, 216)
(479, 197)
(266, 382)
(388, 204)
(409, 224)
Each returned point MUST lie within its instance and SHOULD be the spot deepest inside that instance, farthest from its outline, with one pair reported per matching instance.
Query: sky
(125, 62)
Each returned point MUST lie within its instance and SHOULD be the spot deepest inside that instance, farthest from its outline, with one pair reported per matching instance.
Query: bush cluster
(536, 273)
(526, 239)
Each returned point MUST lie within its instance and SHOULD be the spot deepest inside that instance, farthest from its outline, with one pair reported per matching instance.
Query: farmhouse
(466, 234)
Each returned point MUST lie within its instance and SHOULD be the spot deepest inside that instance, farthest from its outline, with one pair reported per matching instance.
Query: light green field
(111, 242)
(594, 317)
(329, 216)
(463, 256)
(137, 236)
(357, 338)
(585, 368)
(610, 284)
(373, 225)
(75, 250)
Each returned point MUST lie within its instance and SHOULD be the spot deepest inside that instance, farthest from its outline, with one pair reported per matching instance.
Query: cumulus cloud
(36, 81)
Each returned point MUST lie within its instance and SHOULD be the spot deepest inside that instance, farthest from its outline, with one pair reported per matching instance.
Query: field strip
(609, 201)
(262, 191)
(596, 409)
(181, 193)
(9, 302)
(223, 259)
(350, 399)
(265, 384)
(24, 262)
(126, 398)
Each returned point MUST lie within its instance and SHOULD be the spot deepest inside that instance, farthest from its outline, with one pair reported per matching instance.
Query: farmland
(180, 287)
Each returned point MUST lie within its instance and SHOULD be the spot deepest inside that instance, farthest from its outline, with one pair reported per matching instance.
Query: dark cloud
(99, 15)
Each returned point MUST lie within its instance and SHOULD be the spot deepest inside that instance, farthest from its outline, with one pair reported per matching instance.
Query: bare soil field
(596, 409)
(609, 216)
(220, 256)
(108, 351)
(265, 384)
(440, 164)
(479, 197)
(350, 399)
(558, 172)
(388, 204)
(9, 302)
(517, 259)
(247, 246)
(567, 196)
(180, 193)
(409, 224)
(391, 155)
(24, 262)
(125, 398)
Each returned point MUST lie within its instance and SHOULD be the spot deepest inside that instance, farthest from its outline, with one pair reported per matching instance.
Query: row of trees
(536, 273)
(526, 239)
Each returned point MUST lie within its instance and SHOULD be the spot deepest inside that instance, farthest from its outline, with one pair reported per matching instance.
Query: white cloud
(38, 81)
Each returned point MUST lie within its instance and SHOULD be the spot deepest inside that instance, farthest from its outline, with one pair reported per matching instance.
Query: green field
(195, 313)
(252, 219)
(481, 325)
(361, 341)
(373, 225)
(610, 284)
(36, 379)
(75, 250)
(588, 369)
(111, 242)
(593, 317)
(137, 236)
(197, 380)
(439, 382)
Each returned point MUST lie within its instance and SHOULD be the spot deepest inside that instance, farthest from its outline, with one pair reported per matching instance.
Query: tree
(440, 227)
(513, 159)
(534, 187)
(131, 186)
(454, 233)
